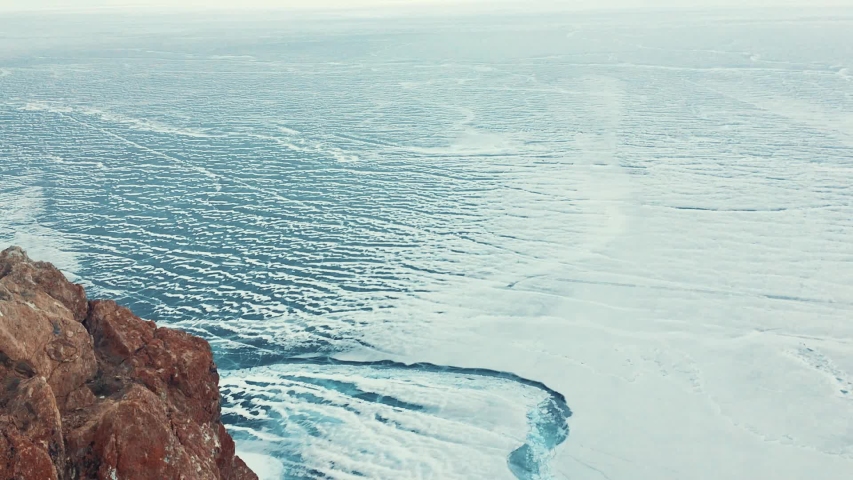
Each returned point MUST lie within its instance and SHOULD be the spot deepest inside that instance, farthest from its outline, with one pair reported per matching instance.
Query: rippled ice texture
(644, 218)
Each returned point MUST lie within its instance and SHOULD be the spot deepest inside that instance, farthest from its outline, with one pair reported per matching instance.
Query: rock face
(89, 390)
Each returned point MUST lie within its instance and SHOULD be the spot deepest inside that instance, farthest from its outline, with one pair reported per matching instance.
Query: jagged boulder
(90, 390)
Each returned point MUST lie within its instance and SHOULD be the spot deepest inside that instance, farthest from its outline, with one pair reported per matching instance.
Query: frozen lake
(587, 246)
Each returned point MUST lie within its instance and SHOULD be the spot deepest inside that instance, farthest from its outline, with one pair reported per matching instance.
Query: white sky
(30, 5)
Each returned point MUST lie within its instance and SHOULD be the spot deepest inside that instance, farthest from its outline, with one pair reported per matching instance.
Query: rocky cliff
(89, 390)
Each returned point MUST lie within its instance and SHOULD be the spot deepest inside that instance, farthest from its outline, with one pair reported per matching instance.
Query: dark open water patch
(296, 407)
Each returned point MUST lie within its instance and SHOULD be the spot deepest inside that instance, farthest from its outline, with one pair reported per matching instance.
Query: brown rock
(30, 430)
(89, 390)
(27, 276)
(40, 329)
(118, 333)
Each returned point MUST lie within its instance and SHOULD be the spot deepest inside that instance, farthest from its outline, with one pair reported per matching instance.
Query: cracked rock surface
(89, 390)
